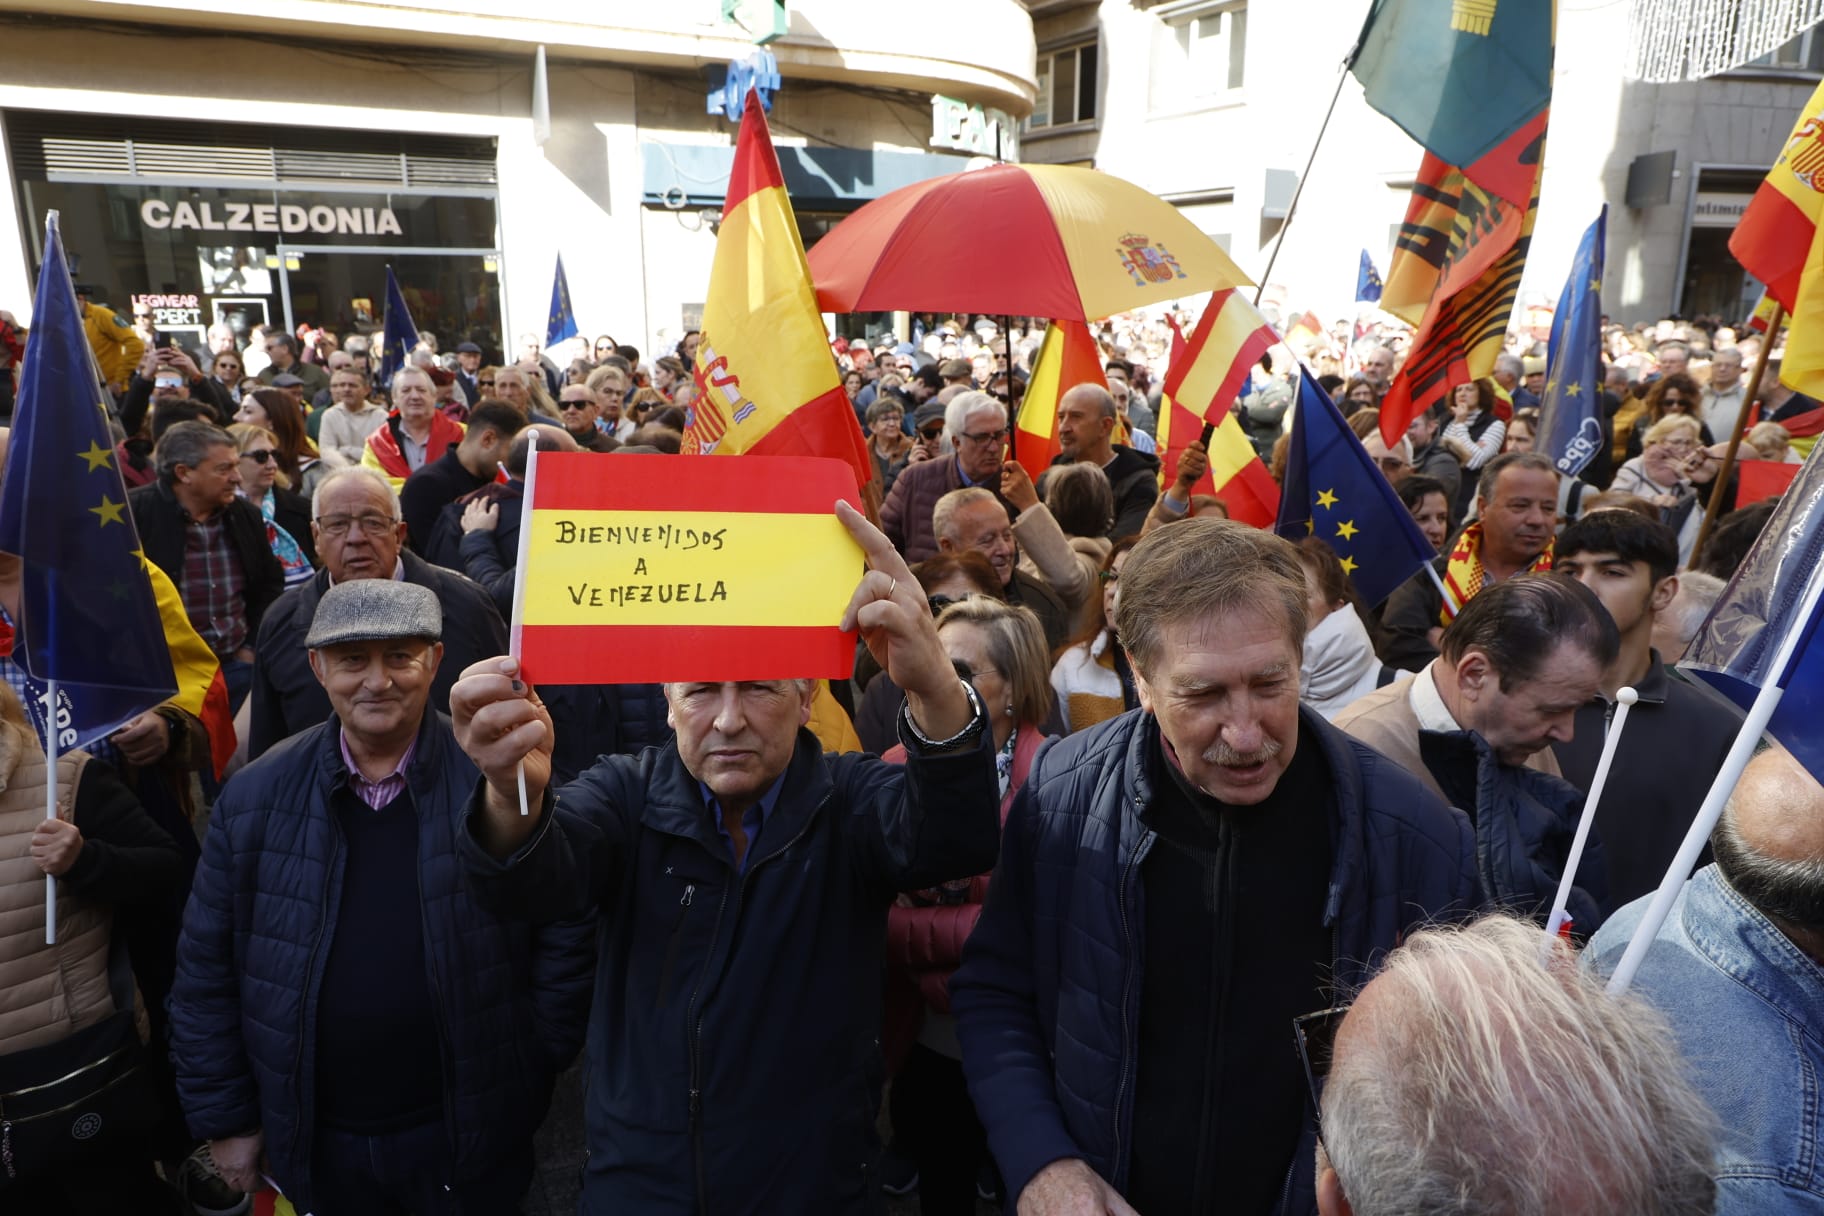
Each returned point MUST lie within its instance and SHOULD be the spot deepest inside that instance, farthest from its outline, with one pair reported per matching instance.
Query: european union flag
(1570, 421)
(1417, 60)
(1367, 282)
(1334, 491)
(400, 335)
(88, 620)
(562, 322)
(1776, 592)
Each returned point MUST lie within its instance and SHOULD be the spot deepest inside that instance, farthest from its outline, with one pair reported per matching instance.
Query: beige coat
(46, 992)
(1385, 721)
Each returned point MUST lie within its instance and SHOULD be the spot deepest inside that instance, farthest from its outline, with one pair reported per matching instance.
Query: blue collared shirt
(965, 476)
(753, 820)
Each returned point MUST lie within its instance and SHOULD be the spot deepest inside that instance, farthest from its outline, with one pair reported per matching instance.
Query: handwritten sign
(642, 569)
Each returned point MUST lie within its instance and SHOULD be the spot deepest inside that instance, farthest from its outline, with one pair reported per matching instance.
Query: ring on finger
(892, 587)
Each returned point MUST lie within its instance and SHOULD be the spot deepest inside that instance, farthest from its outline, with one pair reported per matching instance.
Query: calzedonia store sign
(291, 219)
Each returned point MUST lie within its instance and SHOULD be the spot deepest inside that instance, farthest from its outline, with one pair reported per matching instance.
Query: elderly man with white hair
(359, 532)
(976, 425)
(1472, 1076)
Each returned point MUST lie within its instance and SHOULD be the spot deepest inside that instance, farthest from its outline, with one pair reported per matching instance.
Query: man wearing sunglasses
(1175, 886)
(977, 426)
(578, 409)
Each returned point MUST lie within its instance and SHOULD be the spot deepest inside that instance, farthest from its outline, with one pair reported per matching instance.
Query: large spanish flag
(1236, 474)
(1778, 241)
(766, 381)
(1067, 357)
(682, 569)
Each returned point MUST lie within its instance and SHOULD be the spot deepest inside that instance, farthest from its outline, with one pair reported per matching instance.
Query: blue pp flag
(1334, 491)
(1367, 282)
(1570, 418)
(1771, 596)
(87, 615)
(562, 322)
(400, 335)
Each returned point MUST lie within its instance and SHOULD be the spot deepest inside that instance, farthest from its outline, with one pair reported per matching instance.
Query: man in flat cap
(347, 1022)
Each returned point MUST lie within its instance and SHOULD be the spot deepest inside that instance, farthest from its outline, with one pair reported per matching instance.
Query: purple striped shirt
(376, 794)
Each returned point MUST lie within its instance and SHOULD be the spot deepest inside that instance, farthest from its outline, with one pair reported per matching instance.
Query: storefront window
(290, 257)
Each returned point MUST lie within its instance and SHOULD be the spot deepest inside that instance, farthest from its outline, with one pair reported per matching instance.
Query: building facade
(1216, 105)
(264, 165)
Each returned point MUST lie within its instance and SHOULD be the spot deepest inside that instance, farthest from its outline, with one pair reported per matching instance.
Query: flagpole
(1749, 738)
(1624, 701)
(518, 624)
(50, 807)
(1299, 190)
(1735, 439)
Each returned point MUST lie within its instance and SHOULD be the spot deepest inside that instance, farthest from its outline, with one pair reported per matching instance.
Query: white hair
(1482, 1081)
(963, 406)
(366, 472)
(1696, 595)
(943, 513)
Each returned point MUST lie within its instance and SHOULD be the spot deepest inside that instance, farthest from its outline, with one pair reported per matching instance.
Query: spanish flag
(682, 569)
(201, 690)
(1236, 474)
(1067, 357)
(1208, 371)
(766, 382)
(1778, 241)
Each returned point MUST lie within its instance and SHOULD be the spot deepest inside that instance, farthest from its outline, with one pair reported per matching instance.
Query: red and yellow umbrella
(1017, 240)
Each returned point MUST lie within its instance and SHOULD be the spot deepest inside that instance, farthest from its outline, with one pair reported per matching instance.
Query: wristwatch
(978, 716)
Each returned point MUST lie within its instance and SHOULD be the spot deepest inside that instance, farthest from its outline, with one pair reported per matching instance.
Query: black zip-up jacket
(734, 1051)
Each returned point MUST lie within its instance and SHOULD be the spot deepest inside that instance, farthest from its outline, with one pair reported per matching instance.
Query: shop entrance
(454, 293)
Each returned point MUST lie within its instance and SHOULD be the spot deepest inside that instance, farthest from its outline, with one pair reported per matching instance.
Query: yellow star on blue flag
(97, 456)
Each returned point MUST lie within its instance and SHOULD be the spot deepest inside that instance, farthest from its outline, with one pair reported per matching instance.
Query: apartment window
(1804, 53)
(1067, 87)
(1200, 54)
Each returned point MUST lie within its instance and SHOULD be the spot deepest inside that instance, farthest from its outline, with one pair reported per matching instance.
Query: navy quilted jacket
(512, 1001)
(734, 1053)
(1047, 998)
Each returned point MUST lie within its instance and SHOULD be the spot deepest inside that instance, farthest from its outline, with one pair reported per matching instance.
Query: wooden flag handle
(1721, 483)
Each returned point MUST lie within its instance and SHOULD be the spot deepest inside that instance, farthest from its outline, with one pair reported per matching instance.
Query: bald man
(1086, 428)
(1738, 968)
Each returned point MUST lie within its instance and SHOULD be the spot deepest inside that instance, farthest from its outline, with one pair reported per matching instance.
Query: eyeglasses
(1315, 1034)
(260, 455)
(970, 673)
(373, 525)
(1394, 463)
(985, 436)
(1109, 576)
(567, 406)
(485, 383)
(1683, 444)
(933, 432)
(1671, 399)
(937, 603)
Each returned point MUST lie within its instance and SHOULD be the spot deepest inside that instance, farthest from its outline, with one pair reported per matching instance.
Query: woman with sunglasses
(1673, 463)
(226, 368)
(287, 514)
(274, 411)
(1674, 394)
(999, 649)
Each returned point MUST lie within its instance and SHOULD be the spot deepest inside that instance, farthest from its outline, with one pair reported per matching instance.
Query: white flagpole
(50, 808)
(1624, 701)
(1740, 754)
(518, 624)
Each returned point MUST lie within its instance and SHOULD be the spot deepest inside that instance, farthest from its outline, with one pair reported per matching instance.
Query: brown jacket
(1385, 721)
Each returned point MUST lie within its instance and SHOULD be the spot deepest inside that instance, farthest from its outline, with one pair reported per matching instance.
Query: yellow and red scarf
(1464, 576)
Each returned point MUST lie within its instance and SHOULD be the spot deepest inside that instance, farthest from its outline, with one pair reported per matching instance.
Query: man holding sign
(744, 879)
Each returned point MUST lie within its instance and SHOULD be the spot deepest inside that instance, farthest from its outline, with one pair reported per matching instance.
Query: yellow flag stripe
(1039, 408)
(667, 568)
(1230, 450)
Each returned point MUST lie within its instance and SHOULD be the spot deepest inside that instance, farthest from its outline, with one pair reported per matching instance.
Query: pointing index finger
(881, 554)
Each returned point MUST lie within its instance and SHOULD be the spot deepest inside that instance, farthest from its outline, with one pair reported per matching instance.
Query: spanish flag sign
(1209, 381)
(767, 384)
(1067, 357)
(682, 569)
(1781, 243)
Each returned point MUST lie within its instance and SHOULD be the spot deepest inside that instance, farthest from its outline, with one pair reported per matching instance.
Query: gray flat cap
(373, 609)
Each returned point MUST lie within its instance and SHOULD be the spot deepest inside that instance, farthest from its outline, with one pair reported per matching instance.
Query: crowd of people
(1142, 866)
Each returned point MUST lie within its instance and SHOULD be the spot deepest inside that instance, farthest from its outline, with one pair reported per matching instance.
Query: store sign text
(270, 217)
(172, 310)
